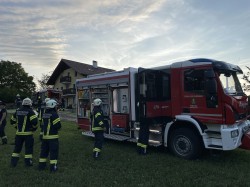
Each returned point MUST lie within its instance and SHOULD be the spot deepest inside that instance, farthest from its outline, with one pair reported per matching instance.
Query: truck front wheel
(185, 143)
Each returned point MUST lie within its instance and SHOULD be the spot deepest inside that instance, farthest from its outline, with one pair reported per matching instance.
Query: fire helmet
(27, 101)
(97, 102)
(51, 103)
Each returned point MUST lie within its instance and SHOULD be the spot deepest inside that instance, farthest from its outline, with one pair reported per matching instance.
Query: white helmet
(51, 103)
(18, 95)
(47, 99)
(27, 101)
(97, 102)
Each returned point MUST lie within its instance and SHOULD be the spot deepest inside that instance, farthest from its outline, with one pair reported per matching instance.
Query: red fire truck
(50, 93)
(188, 106)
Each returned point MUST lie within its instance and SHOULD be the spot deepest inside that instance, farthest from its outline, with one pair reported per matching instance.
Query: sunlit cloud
(122, 33)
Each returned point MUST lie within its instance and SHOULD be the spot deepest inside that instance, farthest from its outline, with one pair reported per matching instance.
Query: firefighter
(25, 121)
(39, 104)
(97, 122)
(18, 101)
(50, 143)
(40, 115)
(142, 143)
(3, 115)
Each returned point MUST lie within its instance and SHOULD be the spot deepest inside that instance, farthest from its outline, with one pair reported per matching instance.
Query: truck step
(150, 142)
(215, 146)
(116, 137)
(132, 140)
(212, 132)
(88, 133)
(108, 136)
(154, 143)
(153, 131)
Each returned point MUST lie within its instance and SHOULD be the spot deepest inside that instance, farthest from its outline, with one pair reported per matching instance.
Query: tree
(246, 78)
(14, 80)
(43, 81)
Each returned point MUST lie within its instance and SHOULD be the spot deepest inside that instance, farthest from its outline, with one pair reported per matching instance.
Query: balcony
(65, 80)
(70, 91)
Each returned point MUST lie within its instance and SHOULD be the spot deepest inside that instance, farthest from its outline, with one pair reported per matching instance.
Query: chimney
(94, 64)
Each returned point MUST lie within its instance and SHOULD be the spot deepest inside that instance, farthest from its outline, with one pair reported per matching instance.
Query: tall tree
(246, 78)
(43, 81)
(14, 80)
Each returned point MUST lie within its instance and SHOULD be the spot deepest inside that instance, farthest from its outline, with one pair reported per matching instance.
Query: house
(65, 75)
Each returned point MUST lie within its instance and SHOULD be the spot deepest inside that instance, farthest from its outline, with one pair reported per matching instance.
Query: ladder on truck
(155, 134)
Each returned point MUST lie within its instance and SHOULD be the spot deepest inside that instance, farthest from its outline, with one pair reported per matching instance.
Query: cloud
(121, 33)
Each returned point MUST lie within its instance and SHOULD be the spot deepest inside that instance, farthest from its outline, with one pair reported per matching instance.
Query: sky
(123, 33)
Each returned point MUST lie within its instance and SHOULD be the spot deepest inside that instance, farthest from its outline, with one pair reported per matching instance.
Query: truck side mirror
(210, 84)
(211, 93)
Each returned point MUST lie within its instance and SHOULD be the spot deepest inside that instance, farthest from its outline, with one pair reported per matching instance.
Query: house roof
(84, 69)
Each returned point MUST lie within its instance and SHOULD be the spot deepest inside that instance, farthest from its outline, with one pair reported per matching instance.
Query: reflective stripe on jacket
(51, 124)
(97, 119)
(25, 121)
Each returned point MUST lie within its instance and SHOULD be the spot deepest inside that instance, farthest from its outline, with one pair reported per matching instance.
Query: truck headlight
(234, 133)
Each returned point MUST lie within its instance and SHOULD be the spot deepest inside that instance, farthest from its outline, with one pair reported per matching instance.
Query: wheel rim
(182, 145)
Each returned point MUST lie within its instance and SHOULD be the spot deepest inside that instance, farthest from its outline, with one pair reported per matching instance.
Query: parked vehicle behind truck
(186, 106)
(47, 93)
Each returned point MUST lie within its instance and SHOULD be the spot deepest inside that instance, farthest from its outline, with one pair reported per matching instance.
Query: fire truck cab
(186, 106)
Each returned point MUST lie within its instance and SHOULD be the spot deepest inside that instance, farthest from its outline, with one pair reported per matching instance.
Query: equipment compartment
(120, 122)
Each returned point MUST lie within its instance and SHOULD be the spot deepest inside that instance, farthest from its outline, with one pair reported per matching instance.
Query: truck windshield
(231, 83)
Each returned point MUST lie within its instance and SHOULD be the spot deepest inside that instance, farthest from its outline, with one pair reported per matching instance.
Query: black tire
(185, 143)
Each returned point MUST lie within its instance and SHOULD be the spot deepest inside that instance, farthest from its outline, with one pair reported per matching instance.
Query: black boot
(28, 162)
(138, 149)
(141, 150)
(53, 167)
(96, 154)
(144, 151)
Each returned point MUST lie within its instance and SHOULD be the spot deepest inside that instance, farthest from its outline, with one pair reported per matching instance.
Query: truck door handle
(144, 110)
(164, 107)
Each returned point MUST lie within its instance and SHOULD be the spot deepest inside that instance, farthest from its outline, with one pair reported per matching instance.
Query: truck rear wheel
(185, 143)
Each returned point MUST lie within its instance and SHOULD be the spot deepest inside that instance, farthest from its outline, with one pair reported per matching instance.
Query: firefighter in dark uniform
(50, 143)
(142, 143)
(39, 104)
(18, 101)
(97, 123)
(3, 115)
(40, 115)
(25, 121)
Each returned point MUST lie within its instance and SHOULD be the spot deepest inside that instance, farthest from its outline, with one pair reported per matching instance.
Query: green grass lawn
(121, 166)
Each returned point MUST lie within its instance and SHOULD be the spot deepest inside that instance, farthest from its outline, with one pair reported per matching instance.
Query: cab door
(200, 95)
(153, 93)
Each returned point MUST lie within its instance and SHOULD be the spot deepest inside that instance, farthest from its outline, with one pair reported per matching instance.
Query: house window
(75, 73)
(68, 74)
(61, 88)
